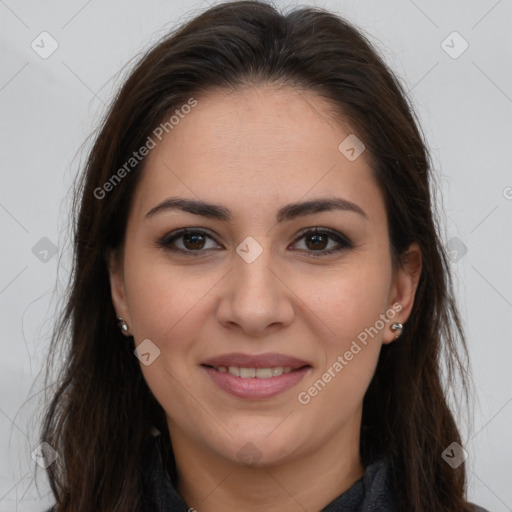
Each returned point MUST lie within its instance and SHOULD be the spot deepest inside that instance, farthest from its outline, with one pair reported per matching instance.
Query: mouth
(258, 373)
(256, 377)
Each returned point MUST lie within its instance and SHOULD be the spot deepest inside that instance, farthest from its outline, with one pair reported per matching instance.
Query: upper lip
(268, 360)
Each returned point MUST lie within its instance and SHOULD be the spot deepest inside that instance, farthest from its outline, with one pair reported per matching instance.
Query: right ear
(117, 286)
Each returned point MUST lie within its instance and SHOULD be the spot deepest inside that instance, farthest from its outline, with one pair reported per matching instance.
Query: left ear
(403, 288)
(117, 287)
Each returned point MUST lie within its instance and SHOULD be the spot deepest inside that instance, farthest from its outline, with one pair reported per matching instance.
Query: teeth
(234, 370)
(259, 373)
(264, 373)
(247, 373)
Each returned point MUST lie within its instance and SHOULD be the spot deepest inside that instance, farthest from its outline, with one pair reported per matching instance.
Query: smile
(259, 373)
(255, 383)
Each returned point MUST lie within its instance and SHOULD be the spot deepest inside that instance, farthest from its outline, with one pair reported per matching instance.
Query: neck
(211, 483)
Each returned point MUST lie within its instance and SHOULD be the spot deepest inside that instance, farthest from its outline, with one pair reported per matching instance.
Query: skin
(253, 152)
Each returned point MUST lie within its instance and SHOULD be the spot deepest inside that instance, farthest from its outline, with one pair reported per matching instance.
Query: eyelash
(344, 242)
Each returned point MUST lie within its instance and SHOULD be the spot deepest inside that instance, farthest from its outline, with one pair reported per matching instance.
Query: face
(251, 285)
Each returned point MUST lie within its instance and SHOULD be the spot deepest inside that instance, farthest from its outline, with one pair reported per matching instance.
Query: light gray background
(49, 106)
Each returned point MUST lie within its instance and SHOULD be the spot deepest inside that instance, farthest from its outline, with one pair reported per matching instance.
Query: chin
(264, 450)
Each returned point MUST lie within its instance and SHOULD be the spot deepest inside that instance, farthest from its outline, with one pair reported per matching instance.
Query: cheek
(346, 300)
(167, 306)
(163, 298)
(350, 308)
(348, 303)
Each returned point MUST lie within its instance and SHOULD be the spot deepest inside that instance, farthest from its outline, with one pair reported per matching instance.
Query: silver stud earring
(123, 326)
(397, 326)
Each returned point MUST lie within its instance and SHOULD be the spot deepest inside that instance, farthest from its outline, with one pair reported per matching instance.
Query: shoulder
(476, 508)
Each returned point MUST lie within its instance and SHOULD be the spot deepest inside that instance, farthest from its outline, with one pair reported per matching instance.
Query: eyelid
(166, 240)
(325, 231)
(342, 240)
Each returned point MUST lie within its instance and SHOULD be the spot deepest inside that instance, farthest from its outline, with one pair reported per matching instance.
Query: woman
(260, 296)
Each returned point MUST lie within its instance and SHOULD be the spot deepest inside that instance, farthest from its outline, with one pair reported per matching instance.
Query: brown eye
(188, 242)
(317, 241)
(193, 241)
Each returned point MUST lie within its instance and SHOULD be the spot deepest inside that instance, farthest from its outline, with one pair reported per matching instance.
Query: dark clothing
(371, 493)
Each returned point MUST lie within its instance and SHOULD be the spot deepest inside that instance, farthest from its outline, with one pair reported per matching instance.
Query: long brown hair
(101, 415)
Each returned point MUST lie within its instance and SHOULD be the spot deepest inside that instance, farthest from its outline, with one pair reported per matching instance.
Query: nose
(255, 298)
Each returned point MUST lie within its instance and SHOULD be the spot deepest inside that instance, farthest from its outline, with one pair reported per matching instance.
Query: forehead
(254, 148)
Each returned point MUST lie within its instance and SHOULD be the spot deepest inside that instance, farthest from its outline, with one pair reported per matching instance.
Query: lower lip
(254, 387)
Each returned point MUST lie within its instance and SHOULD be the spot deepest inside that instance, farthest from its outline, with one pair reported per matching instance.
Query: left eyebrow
(286, 213)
